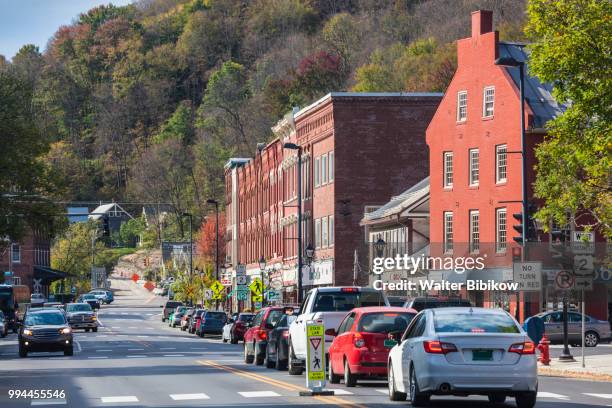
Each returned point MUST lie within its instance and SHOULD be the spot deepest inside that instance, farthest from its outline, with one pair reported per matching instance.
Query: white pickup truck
(328, 305)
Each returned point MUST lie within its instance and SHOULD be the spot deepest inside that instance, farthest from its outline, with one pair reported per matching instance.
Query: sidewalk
(597, 367)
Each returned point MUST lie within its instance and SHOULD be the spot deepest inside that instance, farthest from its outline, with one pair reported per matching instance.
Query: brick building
(358, 149)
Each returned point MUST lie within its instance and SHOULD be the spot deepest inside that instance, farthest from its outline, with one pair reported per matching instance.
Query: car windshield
(216, 315)
(36, 319)
(89, 297)
(385, 322)
(343, 301)
(474, 323)
(79, 307)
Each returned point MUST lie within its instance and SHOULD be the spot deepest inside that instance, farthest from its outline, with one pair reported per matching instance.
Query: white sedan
(463, 351)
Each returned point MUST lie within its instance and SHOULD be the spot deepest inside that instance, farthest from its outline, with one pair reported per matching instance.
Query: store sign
(319, 273)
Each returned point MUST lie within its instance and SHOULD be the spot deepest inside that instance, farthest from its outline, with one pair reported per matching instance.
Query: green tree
(131, 231)
(572, 50)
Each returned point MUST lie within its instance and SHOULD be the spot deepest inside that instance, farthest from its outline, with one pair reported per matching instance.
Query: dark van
(169, 308)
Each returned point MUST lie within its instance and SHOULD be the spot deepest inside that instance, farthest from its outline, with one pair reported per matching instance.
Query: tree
(206, 243)
(572, 48)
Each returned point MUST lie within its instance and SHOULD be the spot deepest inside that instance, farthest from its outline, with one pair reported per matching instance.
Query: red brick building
(357, 150)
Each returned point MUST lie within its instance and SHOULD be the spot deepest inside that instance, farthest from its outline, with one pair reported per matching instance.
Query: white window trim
(324, 169)
(484, 100)
(13, 246)
(318, 233)
(498, 242)
(474, 230)
(498, 179)
(324, 232)
(471, 167)
(445, 169)
(317, 172)
(448, 245)
(459, 118)
(330, 161)
(330, 224)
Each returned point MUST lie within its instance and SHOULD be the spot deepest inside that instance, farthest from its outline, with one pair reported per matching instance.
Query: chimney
(482, 22)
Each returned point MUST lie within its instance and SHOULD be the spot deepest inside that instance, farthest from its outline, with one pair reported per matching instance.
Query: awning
(48, 275)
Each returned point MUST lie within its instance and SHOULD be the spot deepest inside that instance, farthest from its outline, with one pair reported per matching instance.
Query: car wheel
(350, 380)
(69, 351)
(417, 398)
(497, 398)
(591, 339)
(259, 357)
(267, 362)
(94, 329)
(394, 395)
(23, 352)
(293, 370)
(247, 357)
(526, 399)
(331, 376)
(163, 319)
(3, 335)
(279, 364)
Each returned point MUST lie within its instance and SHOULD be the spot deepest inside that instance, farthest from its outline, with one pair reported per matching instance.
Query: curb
(570, 373)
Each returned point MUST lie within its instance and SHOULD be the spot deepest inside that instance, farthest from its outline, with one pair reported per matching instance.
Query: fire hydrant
(544, 351)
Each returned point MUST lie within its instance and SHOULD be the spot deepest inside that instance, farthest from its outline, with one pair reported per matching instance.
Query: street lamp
(216, 204)
(185, 214)
(293, 146)
(379, 247)
(309, 254)
(262, 268)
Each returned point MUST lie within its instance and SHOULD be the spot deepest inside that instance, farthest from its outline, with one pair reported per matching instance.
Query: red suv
(363, 341)
(256, 337)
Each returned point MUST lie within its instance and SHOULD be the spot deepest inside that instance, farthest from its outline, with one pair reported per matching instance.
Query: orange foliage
(206, 243)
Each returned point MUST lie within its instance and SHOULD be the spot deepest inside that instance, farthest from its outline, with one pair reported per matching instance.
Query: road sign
(217, 287)
(208, 294)
(241, 280)
(257, 298)
(217, 296)
(583, 242)
(315, 356)
(273, 295)
(242, 292)
(564, 280)
(584, 283)
(37, 285)
(240, 270)
(276, 284)
(256, 286)
(583, 265)
(528, 275)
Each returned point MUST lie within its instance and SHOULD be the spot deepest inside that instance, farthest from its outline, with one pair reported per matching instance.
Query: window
(488, 101)
(331, 230)
(317, 171)
(331, 166)
(462, 106)
(448, 169)
(448, 231)
(500, 230)
(474, 231)
(501, 163)
(474, 167)
(324, 232)
(324, 169)
(318, 233)
(15, 253)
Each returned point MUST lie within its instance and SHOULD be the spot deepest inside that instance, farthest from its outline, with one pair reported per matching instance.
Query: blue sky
(35, 21)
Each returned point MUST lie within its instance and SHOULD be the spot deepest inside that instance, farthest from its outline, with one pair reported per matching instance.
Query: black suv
(45, 330)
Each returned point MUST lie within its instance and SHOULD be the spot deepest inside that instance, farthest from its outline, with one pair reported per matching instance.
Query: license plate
(482, 355)
(390, 343)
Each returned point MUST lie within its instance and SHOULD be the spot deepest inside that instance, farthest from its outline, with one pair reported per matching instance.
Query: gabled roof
(105, 209)
(537, 95)
(400, 203)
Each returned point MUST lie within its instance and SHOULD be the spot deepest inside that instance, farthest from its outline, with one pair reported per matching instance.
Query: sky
(35, 21)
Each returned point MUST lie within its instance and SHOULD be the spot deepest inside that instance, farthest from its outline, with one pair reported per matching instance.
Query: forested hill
(147, 102)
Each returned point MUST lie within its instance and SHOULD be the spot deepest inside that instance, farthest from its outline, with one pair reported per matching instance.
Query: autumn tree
(207, 240)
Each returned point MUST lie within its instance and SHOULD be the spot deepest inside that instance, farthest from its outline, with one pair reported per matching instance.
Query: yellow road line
(281, 384)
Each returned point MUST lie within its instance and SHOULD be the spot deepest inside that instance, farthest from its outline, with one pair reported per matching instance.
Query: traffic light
(531, 234)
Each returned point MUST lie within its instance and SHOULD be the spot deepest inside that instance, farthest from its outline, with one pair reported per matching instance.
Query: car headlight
(94, 318)
(66, 330)
(27, 332)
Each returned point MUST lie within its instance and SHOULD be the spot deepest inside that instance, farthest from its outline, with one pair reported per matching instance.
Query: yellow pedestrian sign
(217, 287)
(256, 286)
(217, 296)
(257, 298)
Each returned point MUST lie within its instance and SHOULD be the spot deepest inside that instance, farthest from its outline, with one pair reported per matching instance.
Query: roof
(105, 208)
(382, 309)
(538, 95)
(400, 203)
(466, 309)
(333, 95)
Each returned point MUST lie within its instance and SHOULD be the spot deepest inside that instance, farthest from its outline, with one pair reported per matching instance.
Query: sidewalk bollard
(544, 351)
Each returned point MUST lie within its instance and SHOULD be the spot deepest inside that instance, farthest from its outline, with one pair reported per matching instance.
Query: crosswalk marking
(542, 394)
(174, 355)
(604, 396)
(184, 397)
(383, 390)
(50, 401)
(136, 356)
(340, 391)
(126, 398)
(258, 394)
(97, 357)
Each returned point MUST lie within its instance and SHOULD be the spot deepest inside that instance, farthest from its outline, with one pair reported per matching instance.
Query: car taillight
(286, 333)
(527, 347)
(263, 335)
(358, 340)
(439, 347)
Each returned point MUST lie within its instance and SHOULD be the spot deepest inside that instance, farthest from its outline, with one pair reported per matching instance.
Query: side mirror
(331, 332)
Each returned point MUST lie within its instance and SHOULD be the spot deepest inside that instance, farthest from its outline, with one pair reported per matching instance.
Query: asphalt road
(136, 361)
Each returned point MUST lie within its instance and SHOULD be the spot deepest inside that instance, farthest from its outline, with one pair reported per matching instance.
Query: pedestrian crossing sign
(256, 286)
(217, 287)
(315, 364)
(257, 298)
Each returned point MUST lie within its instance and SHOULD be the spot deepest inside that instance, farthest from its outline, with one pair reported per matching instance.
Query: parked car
(432, 302)
(104, 296)
(175, 319)
(186, 317)
(168, 308)
(195, 320)
(81, 316)
(3, 325)
(464, 351)
(362, 342)
(240, 327)
(211, 323)
(37, 299)
(45, 330)
(329, 305)
(277, 347)
(397, 301)
(91, 299)
(594, 330)
(256, 336)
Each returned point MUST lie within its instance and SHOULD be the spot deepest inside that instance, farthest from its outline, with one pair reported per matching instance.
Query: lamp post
(309, 254)
(379, 247)
(185, 214)
(293, 146)
(216, 204)
(262, 268)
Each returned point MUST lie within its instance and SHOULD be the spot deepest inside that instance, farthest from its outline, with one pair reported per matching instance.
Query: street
(135, 360)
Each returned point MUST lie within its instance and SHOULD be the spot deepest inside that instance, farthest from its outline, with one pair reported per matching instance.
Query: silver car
(594, 330)
(462, 351)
